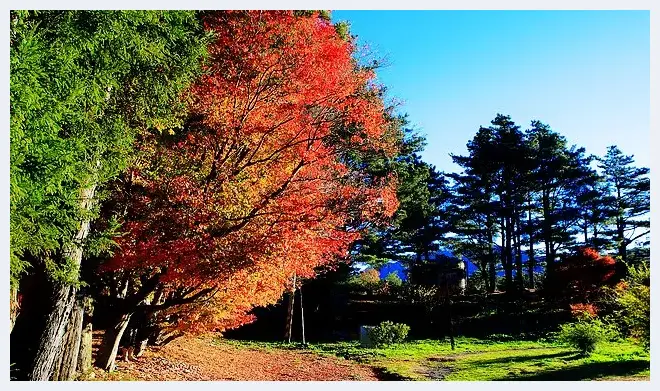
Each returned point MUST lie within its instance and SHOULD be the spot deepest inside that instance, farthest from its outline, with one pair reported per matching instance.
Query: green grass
(476, 359)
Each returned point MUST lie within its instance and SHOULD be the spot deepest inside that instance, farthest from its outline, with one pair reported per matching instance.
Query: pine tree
(629, 187)
(558, 174)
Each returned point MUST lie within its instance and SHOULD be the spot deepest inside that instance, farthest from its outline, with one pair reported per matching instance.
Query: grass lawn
(476, 359)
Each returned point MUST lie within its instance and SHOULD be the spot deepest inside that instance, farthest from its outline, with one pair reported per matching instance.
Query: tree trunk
(68, 363)
(110, 345)
(586, 237)
(519, 265)
(85, 354)
(502, 245)
(14, 307)
(147, 328)
(491, 261)
(594, 239)
(547, 235)
(449, 314)
(530, 252)
(509, 260)
(52, 338)
(289, 313)
(170, 338)
(141, 347)
(622, 239)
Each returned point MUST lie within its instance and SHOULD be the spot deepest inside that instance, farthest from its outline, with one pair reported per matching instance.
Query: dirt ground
(199, 359)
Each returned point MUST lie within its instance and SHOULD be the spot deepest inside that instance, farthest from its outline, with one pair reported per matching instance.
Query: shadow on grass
(385, 375)
(588, 371)
(512, 359)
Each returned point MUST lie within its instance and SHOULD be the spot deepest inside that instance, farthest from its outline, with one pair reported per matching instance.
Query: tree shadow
(512, 359)
(383, 374)
(588, 371)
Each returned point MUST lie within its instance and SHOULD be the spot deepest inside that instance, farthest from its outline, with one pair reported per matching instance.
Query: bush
(585, 335)
(580, 277)
(632, 299)
(368, 280)
(393, 279)
(388, 333)
(501, 338)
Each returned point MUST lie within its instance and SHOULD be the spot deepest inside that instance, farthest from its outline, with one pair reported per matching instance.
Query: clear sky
(585, 73)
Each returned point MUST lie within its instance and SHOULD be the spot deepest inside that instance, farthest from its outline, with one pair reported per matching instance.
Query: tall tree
(257, 186)
(595, 213)
(83, 84)
(476, 204)
(496, 164)
(558, 174)
(417, 226)
(629, 187)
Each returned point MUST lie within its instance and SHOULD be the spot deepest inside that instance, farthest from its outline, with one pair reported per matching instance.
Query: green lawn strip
(476, 360)
(418, 360)
(612, 360)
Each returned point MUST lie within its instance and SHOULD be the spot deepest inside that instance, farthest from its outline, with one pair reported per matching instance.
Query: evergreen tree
(498, 163)
(629, 187)
(474, 209)
(596, 210)
(558, 174)
(84, 84)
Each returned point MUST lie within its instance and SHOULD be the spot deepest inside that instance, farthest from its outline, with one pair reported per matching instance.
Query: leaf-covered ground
(206, 359)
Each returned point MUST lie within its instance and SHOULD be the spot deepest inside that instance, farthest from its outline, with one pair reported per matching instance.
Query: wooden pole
(451, 323)
(302, 317)
(289, 315)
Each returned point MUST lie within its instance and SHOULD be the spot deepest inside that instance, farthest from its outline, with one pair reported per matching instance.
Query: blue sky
(585, 73)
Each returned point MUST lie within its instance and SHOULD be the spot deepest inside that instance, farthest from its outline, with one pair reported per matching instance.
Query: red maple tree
(581, 276)
(262, 182)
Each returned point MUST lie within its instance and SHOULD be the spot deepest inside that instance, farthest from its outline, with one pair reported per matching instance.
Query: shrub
(633, 300)
(388, 333)
(584, 311)
(585, 335)
(501, 337)
(368, 280)
(580, 277)
(393, 279)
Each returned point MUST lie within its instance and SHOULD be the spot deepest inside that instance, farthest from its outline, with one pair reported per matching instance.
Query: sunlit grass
(475, 359)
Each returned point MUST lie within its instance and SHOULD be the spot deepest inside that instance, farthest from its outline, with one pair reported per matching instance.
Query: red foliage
(582, 310)
(582, 275)
(254, 189)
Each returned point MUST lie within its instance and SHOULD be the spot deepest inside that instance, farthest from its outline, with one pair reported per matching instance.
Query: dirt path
(199, 359)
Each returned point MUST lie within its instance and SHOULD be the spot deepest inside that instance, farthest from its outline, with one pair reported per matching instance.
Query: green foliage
(630, 190)
(393, 279)
(368, 280)
(636, 313)
(585, 335)
(633, 301)
(343, 29)
(83, 85)
(426, 295)
(413, 228)
(388, 333)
